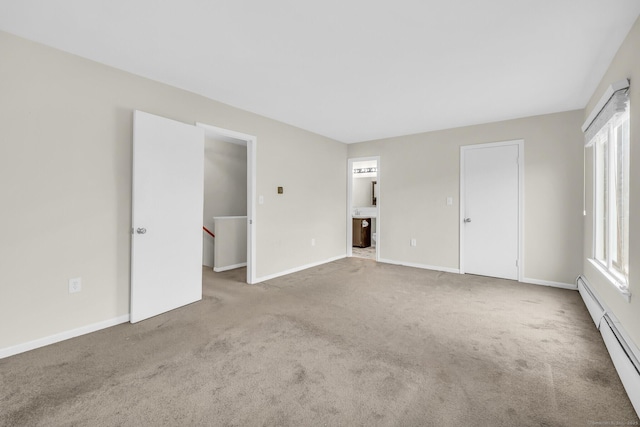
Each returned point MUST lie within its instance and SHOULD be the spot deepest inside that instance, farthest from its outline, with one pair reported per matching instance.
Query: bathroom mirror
(374, 193)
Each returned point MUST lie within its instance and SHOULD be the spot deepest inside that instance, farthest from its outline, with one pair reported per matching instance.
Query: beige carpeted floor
(343, 344)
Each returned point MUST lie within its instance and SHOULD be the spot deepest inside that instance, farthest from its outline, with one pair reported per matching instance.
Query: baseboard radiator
(624, 354)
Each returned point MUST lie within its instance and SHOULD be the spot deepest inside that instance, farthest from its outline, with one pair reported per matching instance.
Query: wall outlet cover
(75, 285)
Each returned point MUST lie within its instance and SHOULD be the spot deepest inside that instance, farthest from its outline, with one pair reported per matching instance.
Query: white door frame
(350, 203)
(520, 144)
(251, 142)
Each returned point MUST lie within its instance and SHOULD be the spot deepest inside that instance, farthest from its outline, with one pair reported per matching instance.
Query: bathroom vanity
(362, 232)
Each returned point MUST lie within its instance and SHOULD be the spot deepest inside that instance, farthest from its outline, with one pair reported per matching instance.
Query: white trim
(584, 181)
(422, 266)
(349, 240)
(520, 144)
(229, 267)
(296, 269)
(623, 292)
(252, 148)
(461, 215)
(521, 196)
(608, 93)
(550, 283)
(594, 183)
(622, 288)
(252, 159)
(62, 336)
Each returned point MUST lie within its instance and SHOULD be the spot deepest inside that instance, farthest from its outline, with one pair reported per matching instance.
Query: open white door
(490, 209)
(167, 201)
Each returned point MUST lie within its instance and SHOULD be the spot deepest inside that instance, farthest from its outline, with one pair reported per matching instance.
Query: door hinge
(250, 221)
(516, 263)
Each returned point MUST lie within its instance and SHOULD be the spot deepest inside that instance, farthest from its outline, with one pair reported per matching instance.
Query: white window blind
(615, 101)
(607, 133)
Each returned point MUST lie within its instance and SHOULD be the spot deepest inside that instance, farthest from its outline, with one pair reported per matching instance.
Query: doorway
(363, 207)
(491, 202)
(250, 142)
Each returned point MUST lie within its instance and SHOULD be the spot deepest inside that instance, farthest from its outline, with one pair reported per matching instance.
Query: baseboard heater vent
(624, 354)
(593, 305)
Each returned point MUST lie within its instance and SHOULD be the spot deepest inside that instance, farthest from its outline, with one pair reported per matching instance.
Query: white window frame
(616, 278)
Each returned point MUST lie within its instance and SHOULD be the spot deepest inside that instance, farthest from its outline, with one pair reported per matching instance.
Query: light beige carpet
(343, 344)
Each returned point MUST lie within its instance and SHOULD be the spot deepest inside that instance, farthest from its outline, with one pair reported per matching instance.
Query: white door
(490, 210)
(167, 202)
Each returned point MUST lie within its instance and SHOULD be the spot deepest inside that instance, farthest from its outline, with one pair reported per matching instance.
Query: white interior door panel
(167, 203)
(491, 210)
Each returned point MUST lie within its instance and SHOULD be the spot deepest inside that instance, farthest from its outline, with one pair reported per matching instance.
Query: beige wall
(418, 173)
(65, 181)
(230, 242)
(625, 65)
(225, 187)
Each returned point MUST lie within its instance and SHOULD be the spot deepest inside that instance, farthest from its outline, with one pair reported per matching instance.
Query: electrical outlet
(261, 200)
(313, 242)
(75, 285)
(449, 201)
(414, 242)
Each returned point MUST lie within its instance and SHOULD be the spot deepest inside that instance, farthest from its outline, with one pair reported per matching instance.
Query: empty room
(280, 213)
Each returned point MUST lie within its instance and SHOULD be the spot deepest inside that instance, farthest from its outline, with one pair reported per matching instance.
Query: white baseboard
(570, 286)
(423, 266)
(62, 336)
(229, 267)
(296, 269)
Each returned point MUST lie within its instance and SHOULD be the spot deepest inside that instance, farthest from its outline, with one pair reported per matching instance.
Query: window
(611, 196)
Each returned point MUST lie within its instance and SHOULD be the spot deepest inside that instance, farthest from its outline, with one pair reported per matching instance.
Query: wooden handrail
(205, 229)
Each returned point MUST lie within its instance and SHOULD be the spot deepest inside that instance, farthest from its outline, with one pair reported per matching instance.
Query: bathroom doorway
(363, 207)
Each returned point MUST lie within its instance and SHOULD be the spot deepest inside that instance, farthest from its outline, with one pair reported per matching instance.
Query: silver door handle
(467, 220)
(141, 230)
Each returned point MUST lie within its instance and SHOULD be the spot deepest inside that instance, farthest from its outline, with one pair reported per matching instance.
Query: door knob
(141, 230)
(467, 220)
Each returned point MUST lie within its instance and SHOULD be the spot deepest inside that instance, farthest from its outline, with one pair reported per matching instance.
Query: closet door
(490, 217)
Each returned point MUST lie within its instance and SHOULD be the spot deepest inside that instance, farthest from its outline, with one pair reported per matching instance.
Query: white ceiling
(352, 70)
